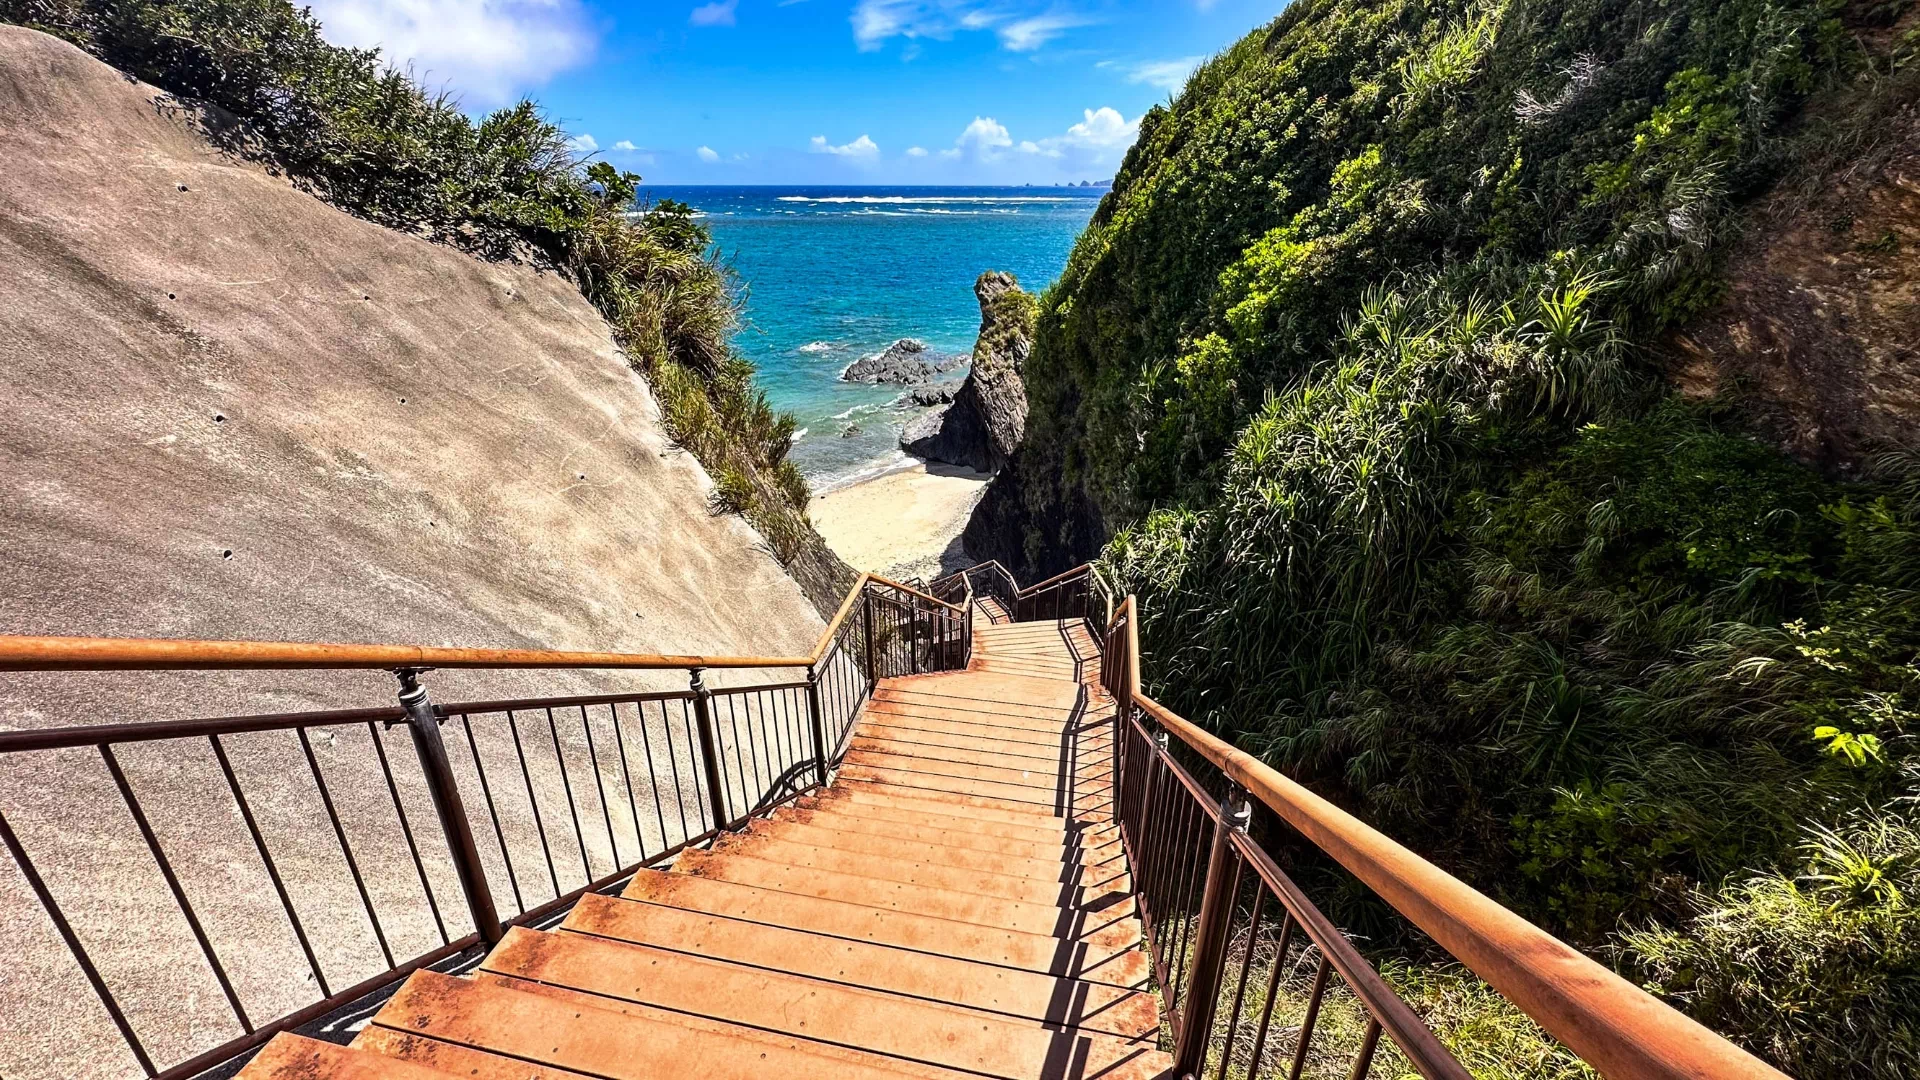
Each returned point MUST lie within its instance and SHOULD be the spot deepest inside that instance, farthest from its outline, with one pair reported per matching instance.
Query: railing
(1079, 593)
(537, 800)
(1232, 939)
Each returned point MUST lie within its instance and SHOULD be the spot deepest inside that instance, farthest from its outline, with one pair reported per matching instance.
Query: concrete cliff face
(982, 426)
(232, 411)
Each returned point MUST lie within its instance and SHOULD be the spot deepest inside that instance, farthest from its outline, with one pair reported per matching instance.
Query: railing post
(1210, 939)
(424, 726)
(709, 751)
(866, 627)
(816, 717)
(913, 633)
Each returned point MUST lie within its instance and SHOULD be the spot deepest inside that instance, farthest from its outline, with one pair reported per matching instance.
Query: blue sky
(817, 91)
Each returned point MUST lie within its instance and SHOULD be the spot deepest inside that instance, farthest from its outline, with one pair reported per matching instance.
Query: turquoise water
(834, 274)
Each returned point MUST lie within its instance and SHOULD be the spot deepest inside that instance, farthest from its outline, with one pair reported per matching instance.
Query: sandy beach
(901, 524)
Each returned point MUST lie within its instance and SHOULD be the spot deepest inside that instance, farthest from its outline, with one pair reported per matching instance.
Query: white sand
(901, 524)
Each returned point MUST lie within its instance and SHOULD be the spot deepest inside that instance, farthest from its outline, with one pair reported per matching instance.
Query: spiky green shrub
(1352, 368)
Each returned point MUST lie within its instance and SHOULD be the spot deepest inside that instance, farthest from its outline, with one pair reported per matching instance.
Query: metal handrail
(1618, 1028)
(795, 731)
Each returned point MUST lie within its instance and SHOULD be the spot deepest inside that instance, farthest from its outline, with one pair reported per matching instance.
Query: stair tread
(775, 847)
(1120, 964)
(1108, 925)
(295, 1057)
(933, 852)
(990, 987)
(857, 1018)
(577, 1035)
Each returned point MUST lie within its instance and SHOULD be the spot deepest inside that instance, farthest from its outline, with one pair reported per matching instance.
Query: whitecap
(815, 348)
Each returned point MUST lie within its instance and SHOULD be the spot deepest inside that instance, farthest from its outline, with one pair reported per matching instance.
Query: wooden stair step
(1090, 736)
(881, 803)
(1107, 926)
(1046, 776)
(986, 751)
(772, 847)
(937, 854)
(296, 1057)
(950, 833)
(1117, 962)
(974, 792)
(1009, 991)
(574, 1033)
(876, 1022)
(1040, 818)
(1038, 715)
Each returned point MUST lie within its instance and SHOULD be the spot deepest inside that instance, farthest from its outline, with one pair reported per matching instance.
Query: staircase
(956, 903)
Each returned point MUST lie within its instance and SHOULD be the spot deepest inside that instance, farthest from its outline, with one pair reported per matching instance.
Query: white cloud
(1098, 139)
(916, 151)
(1166, 74)
(1103, 129)
(862, 147)
(708, 154)
(983, 138)
(485, 50)
(1022, 26)
(719, 13)
(625, 146)
(583, 144)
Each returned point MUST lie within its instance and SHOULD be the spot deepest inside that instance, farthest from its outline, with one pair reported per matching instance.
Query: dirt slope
(228, 410)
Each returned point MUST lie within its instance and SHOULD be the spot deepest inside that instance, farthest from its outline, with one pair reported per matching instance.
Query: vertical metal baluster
(406, 830)
(739, 762)
(1313, 1016)
(626, 774)
(539, 819)
(1370, 1042)
(710, 752)
(653, 773)
(78, 951)
(818, 723)
(1246, 966)
(179, 895)
(673, 763)
(1273, 988)
(493, 814)
(600, 786)
(423, 723)
(866, 623)
(573, 809)
(750, 747)
(340, 834)
(1210, 938)
(266, 859)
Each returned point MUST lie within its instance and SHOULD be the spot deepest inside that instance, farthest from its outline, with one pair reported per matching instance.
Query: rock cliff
(988, 414)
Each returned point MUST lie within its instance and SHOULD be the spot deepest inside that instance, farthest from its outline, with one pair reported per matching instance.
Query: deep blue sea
(834, 274)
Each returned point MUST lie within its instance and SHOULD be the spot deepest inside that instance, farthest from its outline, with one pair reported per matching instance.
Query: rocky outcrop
(1815, 339)
(902, 363)
(983, 425)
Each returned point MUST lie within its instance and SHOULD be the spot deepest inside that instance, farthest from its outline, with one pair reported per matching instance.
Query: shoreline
(902, 522)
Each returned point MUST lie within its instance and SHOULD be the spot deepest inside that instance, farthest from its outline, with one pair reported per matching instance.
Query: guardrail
(1223, 919)
(547, 785)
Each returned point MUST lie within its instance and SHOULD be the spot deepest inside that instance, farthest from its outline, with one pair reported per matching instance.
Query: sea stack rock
(903, 363)
(989, 412)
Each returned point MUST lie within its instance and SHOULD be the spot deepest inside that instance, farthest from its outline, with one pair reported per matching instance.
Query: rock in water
(989, 412)
(902, 363)
(928, 396)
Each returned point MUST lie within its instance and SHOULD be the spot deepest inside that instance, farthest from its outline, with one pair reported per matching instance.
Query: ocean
(834, 274)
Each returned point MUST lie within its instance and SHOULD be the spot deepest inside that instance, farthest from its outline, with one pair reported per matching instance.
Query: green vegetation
(1354, 366)
(374, 143)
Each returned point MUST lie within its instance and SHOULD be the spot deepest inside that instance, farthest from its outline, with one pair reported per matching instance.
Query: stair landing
(956, 904)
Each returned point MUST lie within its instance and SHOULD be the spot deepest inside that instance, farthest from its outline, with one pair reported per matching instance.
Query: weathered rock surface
(228, 410)
(1817, 337)
(983, 425)
(903, 363)
(926, 397)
